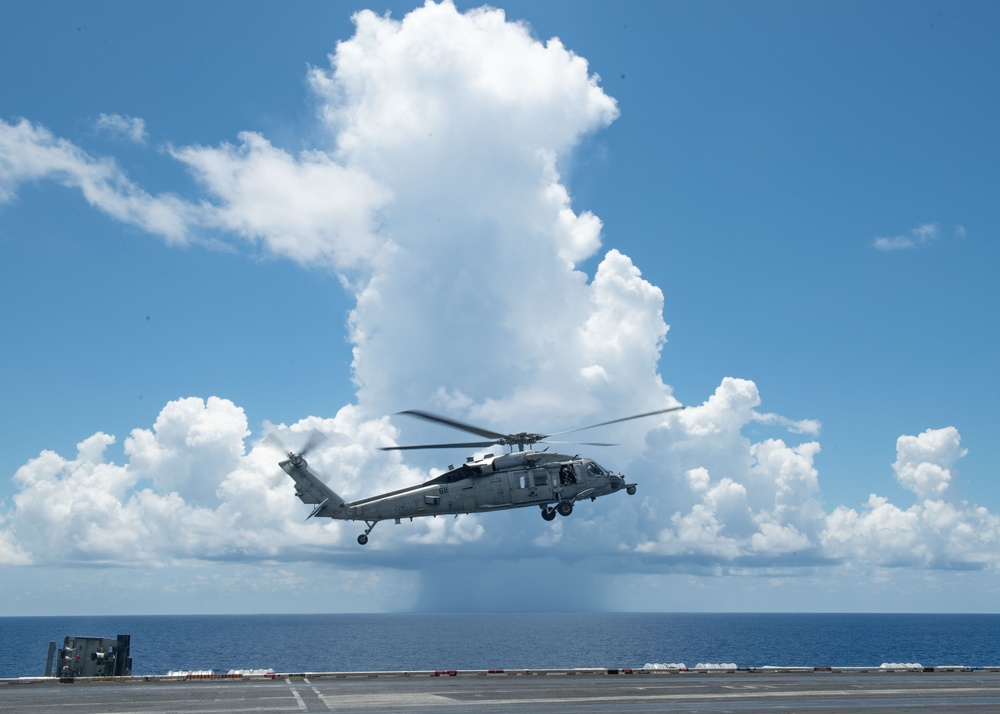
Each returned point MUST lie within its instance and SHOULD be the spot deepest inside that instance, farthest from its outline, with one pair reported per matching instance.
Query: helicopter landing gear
(548, 513)
(564, 508)
(363, 538)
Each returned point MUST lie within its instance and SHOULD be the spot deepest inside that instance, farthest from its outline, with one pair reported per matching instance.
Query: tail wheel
(564, 508)
(363, 539)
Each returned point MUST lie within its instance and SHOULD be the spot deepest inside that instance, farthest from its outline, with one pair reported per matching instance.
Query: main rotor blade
(427, 416)
(578, 443)
(469, 444)
(616, 421)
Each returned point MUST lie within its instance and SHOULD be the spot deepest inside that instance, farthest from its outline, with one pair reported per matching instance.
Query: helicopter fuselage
(514, 480)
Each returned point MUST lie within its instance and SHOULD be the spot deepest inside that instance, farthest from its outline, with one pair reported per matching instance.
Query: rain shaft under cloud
(435, 192)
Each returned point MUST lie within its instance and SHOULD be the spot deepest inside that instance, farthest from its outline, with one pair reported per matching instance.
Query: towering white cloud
(464, 118)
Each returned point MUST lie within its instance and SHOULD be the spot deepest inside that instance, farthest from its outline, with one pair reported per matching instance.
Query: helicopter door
(531, 486)
(520, 487)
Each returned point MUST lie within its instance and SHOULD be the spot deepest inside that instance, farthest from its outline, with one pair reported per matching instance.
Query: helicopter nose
(616, 482)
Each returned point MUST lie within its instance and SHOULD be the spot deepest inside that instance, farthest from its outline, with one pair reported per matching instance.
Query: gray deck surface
(747, 692)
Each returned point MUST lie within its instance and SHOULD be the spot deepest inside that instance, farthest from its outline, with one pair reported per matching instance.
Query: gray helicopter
(553, 482)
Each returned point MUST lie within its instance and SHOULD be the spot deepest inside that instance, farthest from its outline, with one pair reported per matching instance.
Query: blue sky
(214, 220)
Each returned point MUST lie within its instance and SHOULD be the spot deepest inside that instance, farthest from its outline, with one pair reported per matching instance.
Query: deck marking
(322, 699)
(298, 699)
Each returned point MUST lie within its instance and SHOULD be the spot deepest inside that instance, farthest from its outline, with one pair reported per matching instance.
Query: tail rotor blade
(315, 439)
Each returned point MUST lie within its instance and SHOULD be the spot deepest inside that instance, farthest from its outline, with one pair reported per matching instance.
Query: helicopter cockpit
(595, 471)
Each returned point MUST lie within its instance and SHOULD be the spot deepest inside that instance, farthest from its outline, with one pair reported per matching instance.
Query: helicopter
(551, 481)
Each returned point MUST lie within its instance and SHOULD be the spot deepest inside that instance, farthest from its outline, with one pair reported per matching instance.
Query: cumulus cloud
(928, 534)
(436, 193)
(937, 531)
(925, 463)
(801, 426)
(29, 152)
(922, 235)
(129, 128)
(193, 489)
(309, 208)
(730, 499)
(11, 551)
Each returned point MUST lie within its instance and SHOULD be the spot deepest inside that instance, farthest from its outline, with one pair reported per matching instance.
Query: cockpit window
(595, 470)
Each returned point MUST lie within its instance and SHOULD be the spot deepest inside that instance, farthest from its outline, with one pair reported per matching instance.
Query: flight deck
(799, 689)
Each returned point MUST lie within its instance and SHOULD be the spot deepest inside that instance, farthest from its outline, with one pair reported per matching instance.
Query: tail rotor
(314, 439)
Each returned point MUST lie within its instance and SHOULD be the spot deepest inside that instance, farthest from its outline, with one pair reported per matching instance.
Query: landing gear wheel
(564, 508)
(630, 490)
(548, 513)
(363, 538)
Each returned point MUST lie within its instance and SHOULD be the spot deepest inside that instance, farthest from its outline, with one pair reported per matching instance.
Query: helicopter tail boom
(310, 489)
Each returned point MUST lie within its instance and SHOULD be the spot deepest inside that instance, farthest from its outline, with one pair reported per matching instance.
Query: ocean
(334, 643)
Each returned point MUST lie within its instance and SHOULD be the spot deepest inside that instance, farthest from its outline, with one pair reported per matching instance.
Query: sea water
(335, 643)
